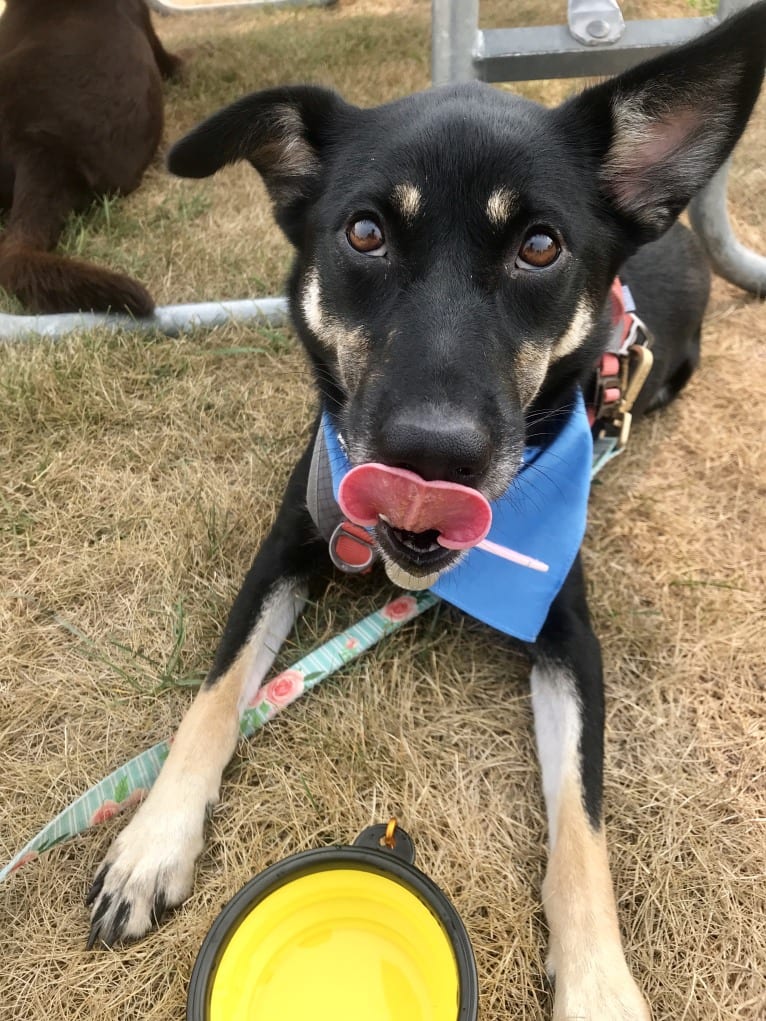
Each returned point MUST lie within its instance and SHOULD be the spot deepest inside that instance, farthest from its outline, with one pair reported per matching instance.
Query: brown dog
(80, 117)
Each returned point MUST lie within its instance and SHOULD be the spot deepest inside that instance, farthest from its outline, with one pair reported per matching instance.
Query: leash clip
(637, 365)
(621, 371)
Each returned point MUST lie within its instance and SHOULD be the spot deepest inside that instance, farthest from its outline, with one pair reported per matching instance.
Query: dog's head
(455, 248)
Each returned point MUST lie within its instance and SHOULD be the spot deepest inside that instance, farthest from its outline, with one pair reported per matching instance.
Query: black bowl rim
(304, 862)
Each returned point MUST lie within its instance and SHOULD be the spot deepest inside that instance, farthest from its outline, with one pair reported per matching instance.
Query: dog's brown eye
(538, 251)
(365, 236)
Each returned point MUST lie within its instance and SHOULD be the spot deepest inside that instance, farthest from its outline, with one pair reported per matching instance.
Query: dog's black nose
(437, 445)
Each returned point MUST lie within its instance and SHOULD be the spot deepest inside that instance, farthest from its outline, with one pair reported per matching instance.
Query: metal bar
(728, 7)
(171, 320)
(527, 54)
(163, 7)
(453, 40)
(710, 219)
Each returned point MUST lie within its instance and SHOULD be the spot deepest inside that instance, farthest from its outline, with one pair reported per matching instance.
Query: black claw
(115, 929)
(103, 907)
(108, 923)
(93, 936)
(97, 885)
(159, 908)
(107, 931)
(96, 926)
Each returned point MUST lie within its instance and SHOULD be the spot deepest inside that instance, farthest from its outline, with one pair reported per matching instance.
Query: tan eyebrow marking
(407, 199)
(501, 204)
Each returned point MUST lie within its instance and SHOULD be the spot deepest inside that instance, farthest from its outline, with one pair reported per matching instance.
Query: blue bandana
(542, 514)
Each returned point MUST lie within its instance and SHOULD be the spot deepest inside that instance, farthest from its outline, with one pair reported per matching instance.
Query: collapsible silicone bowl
(337, 934)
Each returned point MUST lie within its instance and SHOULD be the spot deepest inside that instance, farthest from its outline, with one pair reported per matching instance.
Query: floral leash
(129, 784)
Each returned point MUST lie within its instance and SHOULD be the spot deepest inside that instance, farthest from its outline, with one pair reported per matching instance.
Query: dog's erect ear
(662, 129)
(282, 132)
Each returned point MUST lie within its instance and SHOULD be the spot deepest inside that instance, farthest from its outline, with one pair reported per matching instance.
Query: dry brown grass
(137, 477)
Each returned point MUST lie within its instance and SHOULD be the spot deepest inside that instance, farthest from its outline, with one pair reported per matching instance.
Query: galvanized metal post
(454, 33)
(172, 320)
(730, 259)
(710, 218)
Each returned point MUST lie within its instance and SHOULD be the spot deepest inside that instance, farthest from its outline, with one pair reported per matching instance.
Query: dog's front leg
(592, 981)
(150, 865)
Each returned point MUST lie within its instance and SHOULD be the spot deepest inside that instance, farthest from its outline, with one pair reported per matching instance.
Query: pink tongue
(461, 515)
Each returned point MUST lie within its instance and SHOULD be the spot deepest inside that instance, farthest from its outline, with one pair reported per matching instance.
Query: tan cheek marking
(407, 199)
(350, 346)
(575, 334)
(353, 348)
(531, 366)
(501, 205)
(311, 302)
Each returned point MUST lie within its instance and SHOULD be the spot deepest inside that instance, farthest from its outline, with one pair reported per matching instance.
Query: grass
(139, 474)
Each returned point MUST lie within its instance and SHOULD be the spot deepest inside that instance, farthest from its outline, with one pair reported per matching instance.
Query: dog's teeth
(384, 518)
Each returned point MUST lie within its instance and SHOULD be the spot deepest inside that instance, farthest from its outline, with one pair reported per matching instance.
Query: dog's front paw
(599, 991)
(148, 869)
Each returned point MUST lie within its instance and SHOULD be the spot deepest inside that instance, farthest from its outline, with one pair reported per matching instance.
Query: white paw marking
(150, 866)
(597, 990)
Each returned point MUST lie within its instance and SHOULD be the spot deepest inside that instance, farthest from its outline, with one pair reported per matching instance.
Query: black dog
(455, 253)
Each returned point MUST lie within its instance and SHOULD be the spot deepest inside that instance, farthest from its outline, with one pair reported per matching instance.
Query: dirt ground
(137, 476)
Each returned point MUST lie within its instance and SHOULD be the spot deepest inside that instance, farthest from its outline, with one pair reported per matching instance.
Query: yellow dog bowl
(334, 935)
